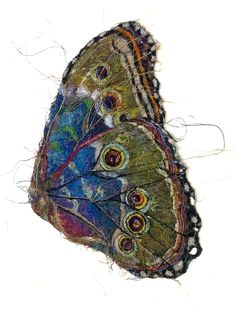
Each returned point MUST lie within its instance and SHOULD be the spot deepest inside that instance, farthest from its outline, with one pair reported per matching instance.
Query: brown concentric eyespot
(101, 72)
(138, 199)
(126, 244)
(136, 223)
(114, 156)
(111, 101)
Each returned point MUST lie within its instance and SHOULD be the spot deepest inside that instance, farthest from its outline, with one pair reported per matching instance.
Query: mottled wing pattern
(107, 173)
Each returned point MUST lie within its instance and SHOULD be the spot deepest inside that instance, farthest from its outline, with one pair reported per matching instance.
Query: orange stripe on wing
(145, 80)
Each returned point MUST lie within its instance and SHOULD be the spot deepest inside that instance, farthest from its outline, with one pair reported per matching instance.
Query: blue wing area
(70, 123)
(56, 105)
(67, 130)
(78, 189)
(93, 190)
(88, 195)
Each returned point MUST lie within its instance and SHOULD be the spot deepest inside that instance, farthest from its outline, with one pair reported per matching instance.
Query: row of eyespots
(137, 225)
(135, 222)
(116, 157)
(110, 99)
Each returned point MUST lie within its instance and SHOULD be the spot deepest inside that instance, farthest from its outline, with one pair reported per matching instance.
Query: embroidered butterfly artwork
(107, 173)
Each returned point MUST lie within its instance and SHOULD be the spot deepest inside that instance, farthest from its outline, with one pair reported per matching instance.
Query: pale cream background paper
(40, 272)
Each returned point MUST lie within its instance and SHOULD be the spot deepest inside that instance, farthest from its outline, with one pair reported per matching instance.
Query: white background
(40, 272)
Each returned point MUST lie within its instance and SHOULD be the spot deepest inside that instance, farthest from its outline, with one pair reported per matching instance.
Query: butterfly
(107, 173)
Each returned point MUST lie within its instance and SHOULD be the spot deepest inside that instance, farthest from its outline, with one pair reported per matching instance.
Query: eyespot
(136, 223)
(101, 72)
(111, 101)
(114, 156)
(126, 244)
(138, 199)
